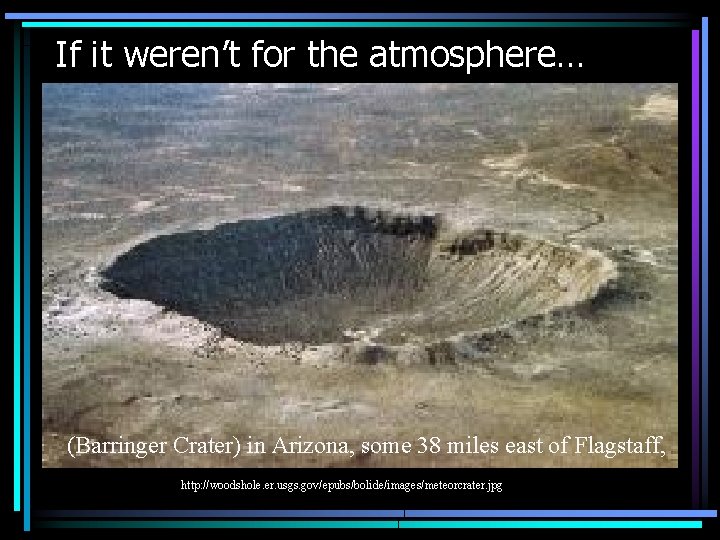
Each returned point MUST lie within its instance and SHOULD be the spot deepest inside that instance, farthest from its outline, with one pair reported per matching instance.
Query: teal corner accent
(16, 271)
(551, 524)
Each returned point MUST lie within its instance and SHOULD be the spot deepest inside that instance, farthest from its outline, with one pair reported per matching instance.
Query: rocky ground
(583, 168)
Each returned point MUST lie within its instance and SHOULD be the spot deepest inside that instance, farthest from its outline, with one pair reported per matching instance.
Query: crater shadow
(338, 273)
(304, 277)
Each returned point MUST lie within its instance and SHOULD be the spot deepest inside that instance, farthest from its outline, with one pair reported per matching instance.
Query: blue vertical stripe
(308, 524)
(704, 259)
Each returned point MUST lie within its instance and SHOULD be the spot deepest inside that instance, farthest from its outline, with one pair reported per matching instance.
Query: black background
(608, 55)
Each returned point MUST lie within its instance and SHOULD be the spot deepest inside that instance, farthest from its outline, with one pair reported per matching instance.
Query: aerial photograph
(346, 264)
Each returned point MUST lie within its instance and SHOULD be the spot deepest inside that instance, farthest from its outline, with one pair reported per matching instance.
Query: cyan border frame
(17, 327)
(26, 282)
(21, 265)
(350, 24)
(264, 514)
(338, 16)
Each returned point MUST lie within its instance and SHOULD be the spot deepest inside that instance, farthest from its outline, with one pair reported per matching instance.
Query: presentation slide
(373, 268)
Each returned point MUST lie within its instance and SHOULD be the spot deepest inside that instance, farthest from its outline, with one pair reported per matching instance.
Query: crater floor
(326, 274)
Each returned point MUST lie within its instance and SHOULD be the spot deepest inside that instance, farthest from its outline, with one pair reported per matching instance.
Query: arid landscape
(359, 262)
